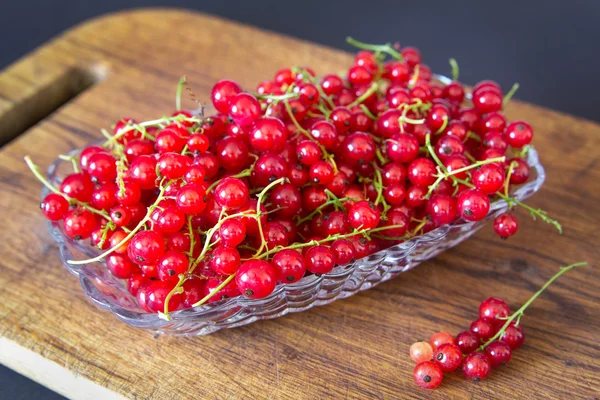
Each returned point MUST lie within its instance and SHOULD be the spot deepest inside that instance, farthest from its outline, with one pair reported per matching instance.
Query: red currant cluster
(487, 344)
(341, 168)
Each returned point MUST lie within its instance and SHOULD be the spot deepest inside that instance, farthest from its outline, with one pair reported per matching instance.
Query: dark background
(548, 46)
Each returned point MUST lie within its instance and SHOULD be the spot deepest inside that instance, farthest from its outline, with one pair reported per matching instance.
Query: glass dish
(111, 293)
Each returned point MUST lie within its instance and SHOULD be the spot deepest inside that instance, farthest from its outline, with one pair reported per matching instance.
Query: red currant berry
(495, 309)
(78, 186)
(153, 296)
(320, 260)
(244, 109)
(222, 94)
(287, 199)
(520, 172)
(467, 342)
(256, 279)
(268, 134)
(231, 193)
(225, 260)
(486, 101)
(440, 338)
(402, 147)
(169, 141)
(173, 165)
(489, 178)
(514, 336)
(135, 282)
(230, 290)
(146, 247)
(289, 265)
(171, 264)
(121, 266)
(88, 152)
(142, 172)
(193, 291)
(332, 84)
(308, 152)
(321, 173)
(441, 209)
(232, 232)
(54, 206)
(343, 251)
(428, 375)
(448, 356)
(364, 215)
(518, 134)
(325, 133)
(79, 223)
(198, 142)
(102, 167)
(422, 172)
(476, 366)
(421, 351)
(483, 328)
(493, 122)
(499, 353)
(473, 205)
(268, 168)
(505, 225)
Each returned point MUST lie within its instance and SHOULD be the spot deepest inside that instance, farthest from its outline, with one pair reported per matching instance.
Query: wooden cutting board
(128, 64)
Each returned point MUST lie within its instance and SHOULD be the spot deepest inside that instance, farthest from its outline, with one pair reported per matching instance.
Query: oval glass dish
(111, 293)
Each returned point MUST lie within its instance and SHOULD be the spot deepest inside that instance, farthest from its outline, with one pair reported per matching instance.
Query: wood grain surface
(355, 348)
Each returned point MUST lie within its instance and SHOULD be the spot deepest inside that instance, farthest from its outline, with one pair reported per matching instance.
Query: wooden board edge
(50, 374)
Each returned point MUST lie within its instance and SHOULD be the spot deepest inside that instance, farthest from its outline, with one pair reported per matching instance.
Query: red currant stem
(519, 313)
(260, 197)
(381, 48)
(74, 161)
(109, 226)
(337, 202)
(244, 173)
(510, 94)
(275, 97)
(146, 124)
(319, 210)
(389, 237)
(306, 133)
(511, 201)
(535, 213)
(178, 289)
(180, 86)
(306, 75)
(191, 233)
(454, 66)
(105, 133)
(368, 112)
(217, 289)
(129, 236)
(419, 227)
(470, 157)
(511, 168)
(372, 89)
(324, 111)
(380, 156)
(524, 151)
(121, 169)
(415, 76)
(314, 115)
(36, 172)
(378, 183)
(443, 127)
(473, 136)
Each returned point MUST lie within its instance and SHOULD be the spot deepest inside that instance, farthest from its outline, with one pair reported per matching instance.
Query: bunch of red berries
(302, 175)
(487, 344)
(483, 345)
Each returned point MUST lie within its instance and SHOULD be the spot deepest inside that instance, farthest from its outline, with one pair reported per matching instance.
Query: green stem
(319, 210)
(126, 238)
(217, 290)
(382, 48)
(260, 196)
(520, 311)
(454, 66)
(180, 85)
(510, 94)
(280, 97)
(372, 89)
(368, 112)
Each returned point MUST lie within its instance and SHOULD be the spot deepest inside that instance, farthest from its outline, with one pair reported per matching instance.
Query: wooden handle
(33, 88)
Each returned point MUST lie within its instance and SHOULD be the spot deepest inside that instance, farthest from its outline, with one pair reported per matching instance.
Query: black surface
(548, 46)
